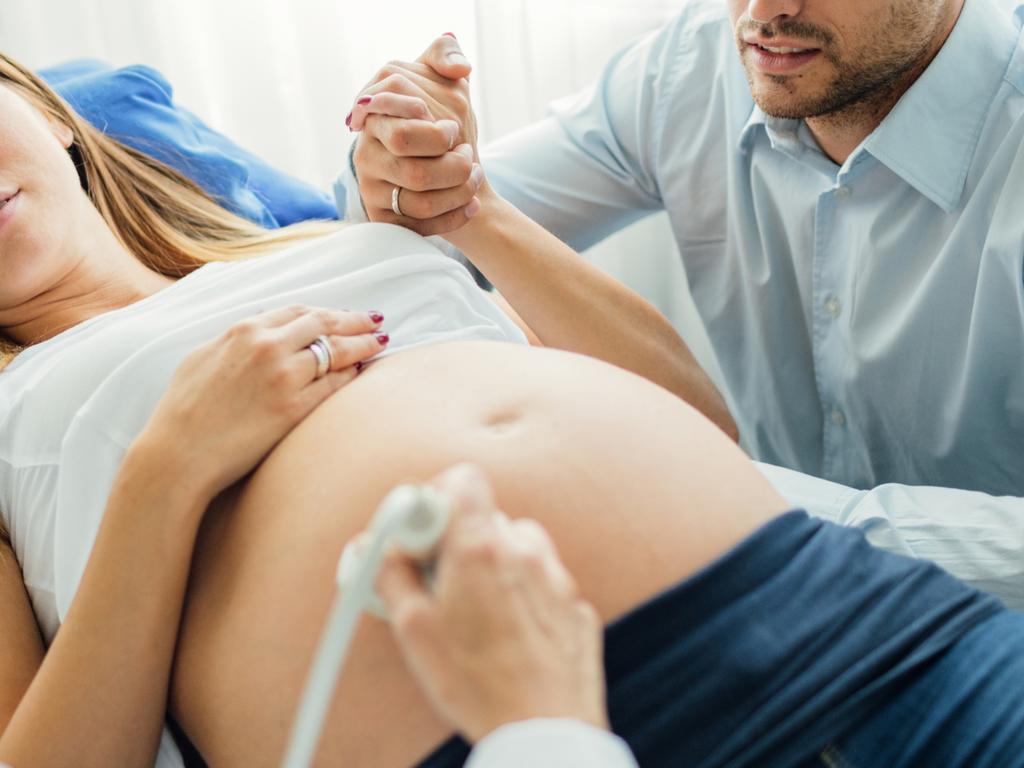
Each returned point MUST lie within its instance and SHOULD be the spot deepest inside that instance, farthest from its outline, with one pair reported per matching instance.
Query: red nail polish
(359, 366)
(365, 100)
(376, 317)
(383, 338)
(450, 34)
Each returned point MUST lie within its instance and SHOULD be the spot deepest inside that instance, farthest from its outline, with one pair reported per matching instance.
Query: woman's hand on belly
(235, 398)
(504, 635)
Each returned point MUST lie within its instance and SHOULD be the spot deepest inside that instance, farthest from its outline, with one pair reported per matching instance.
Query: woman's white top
(71, 406)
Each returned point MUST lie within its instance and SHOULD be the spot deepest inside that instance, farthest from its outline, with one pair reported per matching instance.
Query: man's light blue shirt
(868, 318)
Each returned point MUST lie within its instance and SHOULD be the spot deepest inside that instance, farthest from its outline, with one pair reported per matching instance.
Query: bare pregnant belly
(637, 490)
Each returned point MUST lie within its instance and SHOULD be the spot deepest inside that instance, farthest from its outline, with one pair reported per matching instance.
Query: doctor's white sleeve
(551, 743)
(976, 537)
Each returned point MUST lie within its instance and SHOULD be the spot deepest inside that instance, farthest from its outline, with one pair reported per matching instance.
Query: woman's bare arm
(23, 645)
(505, 307)
(99, 699)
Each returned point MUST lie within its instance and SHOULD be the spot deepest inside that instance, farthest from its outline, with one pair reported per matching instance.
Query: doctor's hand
(504, 635)
(418, 135)
(233, 399)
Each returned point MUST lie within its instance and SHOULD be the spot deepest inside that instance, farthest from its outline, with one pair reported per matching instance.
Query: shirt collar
(756, 120)
(930, 136)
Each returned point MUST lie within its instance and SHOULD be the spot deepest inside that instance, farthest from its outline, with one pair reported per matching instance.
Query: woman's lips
(779, 63)
(9, 207)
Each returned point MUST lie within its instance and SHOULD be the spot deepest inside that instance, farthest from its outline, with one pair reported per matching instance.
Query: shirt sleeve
(976, 537)
(551, 743)
(346, 191)
(589, 169)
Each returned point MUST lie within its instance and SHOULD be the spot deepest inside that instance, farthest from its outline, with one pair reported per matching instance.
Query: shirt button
(838, 418)
(843, 191)
(833, 306)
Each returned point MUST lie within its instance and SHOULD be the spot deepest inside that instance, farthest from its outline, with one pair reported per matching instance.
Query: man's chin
(786, 104)
(790, 97)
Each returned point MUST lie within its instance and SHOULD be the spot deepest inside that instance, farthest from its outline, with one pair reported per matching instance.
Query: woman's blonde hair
(163, 218)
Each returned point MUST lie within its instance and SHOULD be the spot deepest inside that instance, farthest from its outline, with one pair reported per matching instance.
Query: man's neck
(840, 133)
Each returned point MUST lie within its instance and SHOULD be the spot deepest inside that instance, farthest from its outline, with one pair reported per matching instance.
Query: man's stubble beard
(866, 85)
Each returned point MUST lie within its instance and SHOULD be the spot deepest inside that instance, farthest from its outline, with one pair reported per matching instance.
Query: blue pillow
(135, 105)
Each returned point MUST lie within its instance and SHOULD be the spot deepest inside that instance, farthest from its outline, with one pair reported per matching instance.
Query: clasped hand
(418, 133)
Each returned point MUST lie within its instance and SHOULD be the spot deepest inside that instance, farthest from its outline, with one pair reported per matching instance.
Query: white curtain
(279, 76)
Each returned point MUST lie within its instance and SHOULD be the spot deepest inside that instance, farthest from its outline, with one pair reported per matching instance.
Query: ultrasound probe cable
(411, 517)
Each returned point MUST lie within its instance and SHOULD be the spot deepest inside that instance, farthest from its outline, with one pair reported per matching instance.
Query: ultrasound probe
(413, 518)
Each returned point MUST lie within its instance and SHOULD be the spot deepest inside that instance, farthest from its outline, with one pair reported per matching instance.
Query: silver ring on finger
(321, 349)
(394, 202)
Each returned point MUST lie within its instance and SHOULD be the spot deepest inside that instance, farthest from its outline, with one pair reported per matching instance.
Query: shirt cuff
(820, 498)
(551, 743)
(346, 192)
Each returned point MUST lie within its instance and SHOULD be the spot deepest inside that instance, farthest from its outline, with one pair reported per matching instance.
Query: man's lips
(779, 59)
(778, 45)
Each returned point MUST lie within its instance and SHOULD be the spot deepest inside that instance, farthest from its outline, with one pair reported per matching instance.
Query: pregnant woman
(115, 273)
(116, 268)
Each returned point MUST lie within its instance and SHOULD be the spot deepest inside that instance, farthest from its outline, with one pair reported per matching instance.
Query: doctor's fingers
(469, 493)
(535, 555)
(410, 604)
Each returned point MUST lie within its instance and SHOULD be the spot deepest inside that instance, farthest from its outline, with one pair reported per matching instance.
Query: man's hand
(504, 635)
(419, 135)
